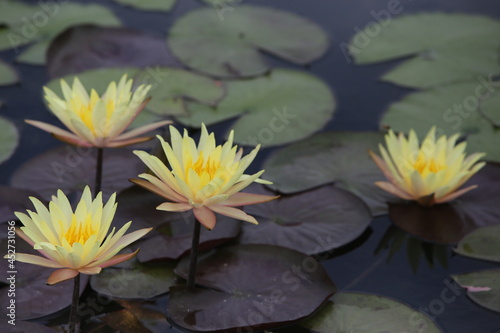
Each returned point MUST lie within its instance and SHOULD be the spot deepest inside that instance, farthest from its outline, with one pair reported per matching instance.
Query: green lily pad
(150, 5)
(9, 139)
(87, 47)
(333, 157)
(45, 21)
(222, 3)
(450, 222)
(368, 313)
(481, 244)
(441, 48)
(490, 108)
(282, 107)
(233, 41)
(483, 287)
(311, 222)
(135, 281)
(452, 109)
(7, 74)
(249, 287)
(170, 86)
(173, 235)
(72, 168)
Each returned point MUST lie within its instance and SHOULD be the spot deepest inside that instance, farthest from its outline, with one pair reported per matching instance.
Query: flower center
(80, 231)
(425, 165)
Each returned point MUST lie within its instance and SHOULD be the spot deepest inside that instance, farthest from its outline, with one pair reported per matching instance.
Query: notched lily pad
(39, 24)
(173, 234)
(450, 222)
(150, 5)
(442, 48)
(9, 139)
(368, 313)
(252, 287)
(482, 243)
(233, 41)
(282, 107)
(7, 74)
(72, 168)
(333, 157)
(483, 287)
(171, 87)
(311, 222)
(135, 280)
(87, 47)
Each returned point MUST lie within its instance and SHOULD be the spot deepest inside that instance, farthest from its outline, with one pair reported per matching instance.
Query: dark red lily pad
(14, 200)
(72, 168)
(251, 287)
(310, 222)
(448, 223)
(84, 47)
(173, 230)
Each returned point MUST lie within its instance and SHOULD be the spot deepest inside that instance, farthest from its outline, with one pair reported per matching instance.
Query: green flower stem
(98, 171)
(74, 325)
(194, 253)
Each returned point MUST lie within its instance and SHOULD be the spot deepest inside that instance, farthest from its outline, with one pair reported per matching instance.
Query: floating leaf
(339, 157)
(234, 41)
(14, 200)
(222, 3)
(490, 107)
(367, 313)
(7, 74)
(72, 168)
(170, 86)
(452, 109)
(87, 47)
(450, 222)
(40, 23)
(310, 222)
(152, 5)
(135, 280)
(9, 139)
(175, 229)
(483, 287)
(252, 287)
(282, 107)
(442, 48)
(481, 244)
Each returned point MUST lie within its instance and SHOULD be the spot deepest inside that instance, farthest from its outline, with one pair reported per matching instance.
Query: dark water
(362, 99)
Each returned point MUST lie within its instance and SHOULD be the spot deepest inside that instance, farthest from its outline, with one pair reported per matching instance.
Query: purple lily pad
(310, 222)
(71, 168)
(14, 200)
(251, 287)
(86, 47)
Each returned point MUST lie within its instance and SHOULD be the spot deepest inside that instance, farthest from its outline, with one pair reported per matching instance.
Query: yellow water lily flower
(205, 178)
(429, 173)
(98, 121)
(75, 242)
